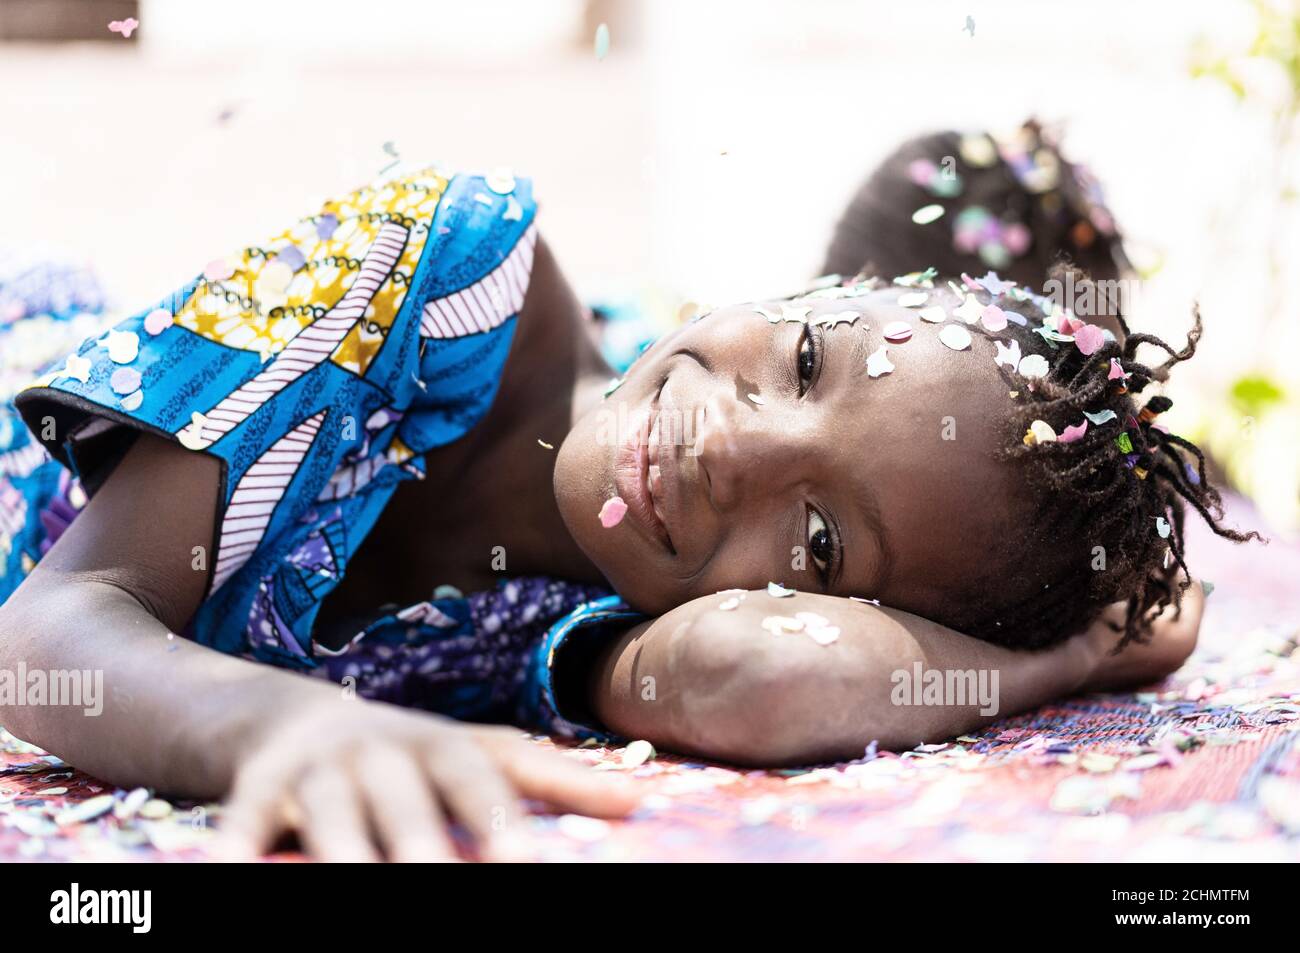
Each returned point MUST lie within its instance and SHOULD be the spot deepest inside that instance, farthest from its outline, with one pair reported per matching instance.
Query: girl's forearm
(716, 683)
(171, 715)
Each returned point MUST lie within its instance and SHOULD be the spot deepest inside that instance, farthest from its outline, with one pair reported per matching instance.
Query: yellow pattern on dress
(252, 312)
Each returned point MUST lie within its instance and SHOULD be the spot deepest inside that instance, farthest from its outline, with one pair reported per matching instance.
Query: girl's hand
(1172, 641)
(359, 780)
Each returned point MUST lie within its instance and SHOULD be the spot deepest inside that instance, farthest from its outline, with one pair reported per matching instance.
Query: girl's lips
(632, 475)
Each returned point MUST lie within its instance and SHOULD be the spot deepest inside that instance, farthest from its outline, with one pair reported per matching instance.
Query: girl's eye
(820, 543)
(809, 354)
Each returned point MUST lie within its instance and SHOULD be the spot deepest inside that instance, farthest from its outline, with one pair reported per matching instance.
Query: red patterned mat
(1203, 767)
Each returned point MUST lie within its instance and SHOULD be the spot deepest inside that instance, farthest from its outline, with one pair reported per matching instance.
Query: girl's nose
(742, 450)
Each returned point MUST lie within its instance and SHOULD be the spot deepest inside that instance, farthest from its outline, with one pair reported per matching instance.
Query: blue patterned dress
(319, 366)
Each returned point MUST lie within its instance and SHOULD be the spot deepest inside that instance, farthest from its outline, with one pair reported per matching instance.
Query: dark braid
(1106, 489)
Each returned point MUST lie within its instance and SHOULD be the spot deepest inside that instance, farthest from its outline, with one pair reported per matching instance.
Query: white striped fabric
(313, 344)
(258, 492)
(486, 303)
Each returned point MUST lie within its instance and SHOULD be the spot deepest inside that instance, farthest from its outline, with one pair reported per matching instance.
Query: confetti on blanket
(1205, 766)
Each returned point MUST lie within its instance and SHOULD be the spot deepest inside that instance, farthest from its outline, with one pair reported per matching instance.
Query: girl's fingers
(550, 777)
(479, 797)
(333, 825)
(406, 815)
(253, 819)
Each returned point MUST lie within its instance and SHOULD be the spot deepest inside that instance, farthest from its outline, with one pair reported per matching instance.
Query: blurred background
(704, 157)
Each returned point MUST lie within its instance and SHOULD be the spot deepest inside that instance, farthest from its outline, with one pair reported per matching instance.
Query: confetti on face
(1007, 356)
(1116, 372)
(602, 41)
(896, 332)
(781, 624)
(755, 399)
(132, 401)
(790, 313)
(544, 445)
(824, 634)
(124, 380)
(158, 320)
(778, 591)
(927, 214)
(1100, 417)
(1089, 338)
(839, 317)
(125, 27)
(1162, 527)
(729, 604)
(500, 181)
(612, 512)
(1034, 365)
(969, 310)
(1040, 431)
(934, 314)
(77, 367)
(993, 318)
(1074, 432)
(218, 270)
(770, 316)
(913, 299)
(879, 364)
(123, 346)
(955, 337)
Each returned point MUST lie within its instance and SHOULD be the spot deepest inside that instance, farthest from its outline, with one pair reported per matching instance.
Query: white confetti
(878, 363)
(1035, 365)
(955, 337)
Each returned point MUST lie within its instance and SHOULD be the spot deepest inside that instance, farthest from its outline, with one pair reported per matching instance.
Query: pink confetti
(612, 513)
(125, 27)
(124, 380)
(1071, 434)
(993, 318)
(897, 332)
(217, 270)
(1016, 238)
(970, 282)
(1116, 372)
(158, 320)
(1068, 324)
(1089, 338)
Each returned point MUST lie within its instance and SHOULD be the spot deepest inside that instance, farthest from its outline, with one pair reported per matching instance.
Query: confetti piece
(790, 313)
(614, 384)
(955, 337)
(778, 591)
(993, 318)
(158, 320)
(781, 624)
(1162, 527)
(77, 367)
(1207, 586)
(85, 810)
(729, 604)
(772, 318)
(612, 512)
(993, 284)
(544, 445)
(1100, 417)
(969, 310)
(155, 809)
(326, 226)
(602, 41)
(124, 380)
(913, 299)
(1116, 372)
(878, 363)
(1007, 356)
(837, 318)
(1040, 431)
(755, 399)
(500, 181)
(824, 635)
(927, 214)
(1089, 338)
(812, 618)
(192, 436)
(132, 401)
(1034, 365)
(977, 150)
(218, 270)
(123, 346)
(1124, 443)
(897, 332)
(637, 753)
(1074, 432)
(125, 27)
(934, 314)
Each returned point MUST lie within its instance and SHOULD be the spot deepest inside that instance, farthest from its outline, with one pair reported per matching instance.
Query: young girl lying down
(400, 389)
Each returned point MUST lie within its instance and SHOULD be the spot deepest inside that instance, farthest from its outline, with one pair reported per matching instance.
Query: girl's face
(750, 452)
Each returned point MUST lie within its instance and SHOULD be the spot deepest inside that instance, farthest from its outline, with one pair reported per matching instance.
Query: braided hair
(1108, 486)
